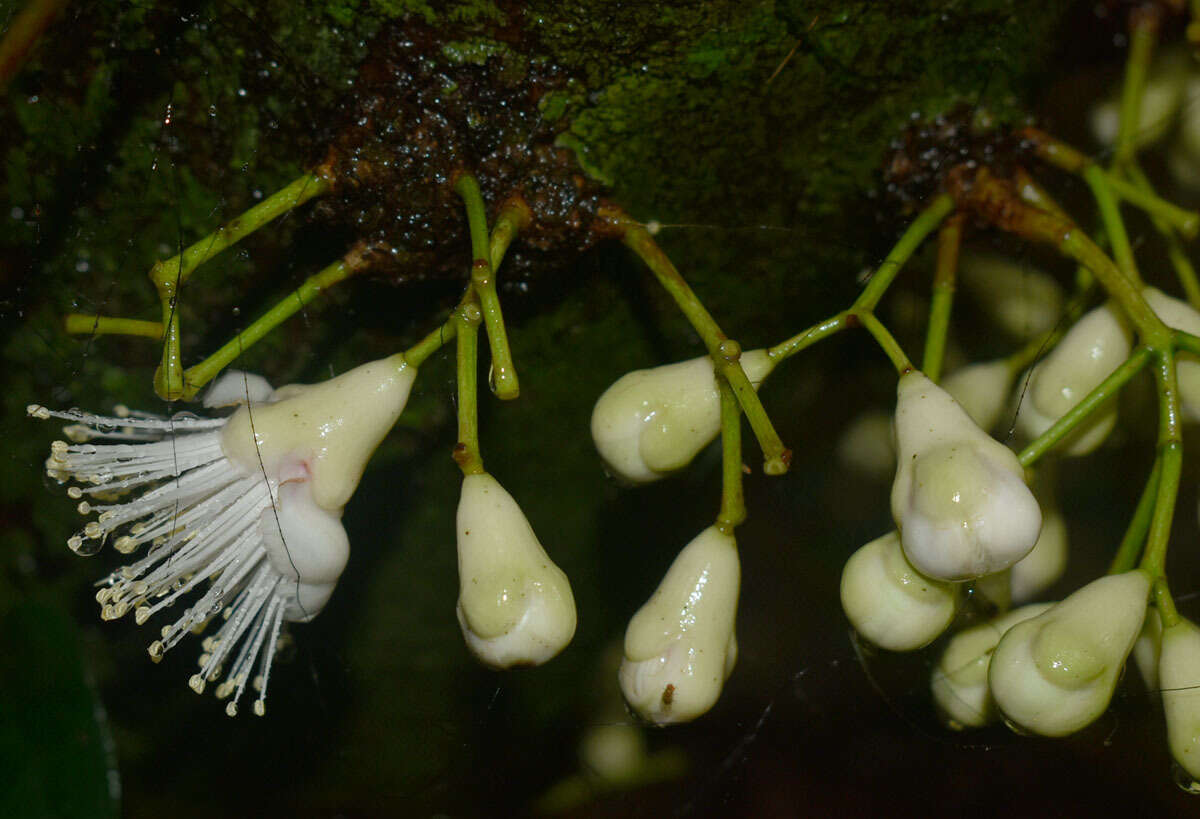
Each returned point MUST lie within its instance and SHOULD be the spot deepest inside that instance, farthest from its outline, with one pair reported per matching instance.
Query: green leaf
(55, 750)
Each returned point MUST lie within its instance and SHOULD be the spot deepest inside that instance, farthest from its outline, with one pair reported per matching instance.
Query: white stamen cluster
(198, 512)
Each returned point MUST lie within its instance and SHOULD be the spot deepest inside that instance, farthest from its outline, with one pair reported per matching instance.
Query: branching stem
(724, 351)
(504, 374)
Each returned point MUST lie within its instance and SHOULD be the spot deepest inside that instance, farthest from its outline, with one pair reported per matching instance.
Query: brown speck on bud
(668, 695)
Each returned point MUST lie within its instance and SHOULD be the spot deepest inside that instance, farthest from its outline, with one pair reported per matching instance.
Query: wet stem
(504, 374)
(170, 275)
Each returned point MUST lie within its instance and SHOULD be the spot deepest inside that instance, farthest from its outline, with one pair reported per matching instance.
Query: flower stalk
(467, 318)
(944, 275)
(483, 280)
(169, 275)
(733, 504)
(638, 239)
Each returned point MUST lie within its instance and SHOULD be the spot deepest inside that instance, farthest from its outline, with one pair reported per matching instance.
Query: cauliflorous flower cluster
(249, 505)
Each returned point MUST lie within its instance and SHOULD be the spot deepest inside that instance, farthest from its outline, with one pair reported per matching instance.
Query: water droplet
(1183, 779)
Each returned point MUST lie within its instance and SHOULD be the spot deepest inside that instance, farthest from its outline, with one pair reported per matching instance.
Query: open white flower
(1179, 674)
(959, 498)
(680, 646)
(251, 503)
(515, 606)
(651, 423)
(959, 682)
(1055, 674)
(1097, 344)
(891, 603)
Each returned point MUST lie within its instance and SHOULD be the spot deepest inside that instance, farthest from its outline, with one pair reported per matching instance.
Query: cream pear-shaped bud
(1180, 315)
(1089, 352)
(515, 605)
(1179, 675)
(892, 604)
(1189, 121)
(1021, 299)
(680, 646)
(959, 498)
(1182, 164)
(1161, 99)
(1147, 649)
(982, 390)
(866, 445)
(1044, 566)
(959, 682)
(233, 387)
(1055, 674)
(329, 430)
(1183, 155)
(651, 423)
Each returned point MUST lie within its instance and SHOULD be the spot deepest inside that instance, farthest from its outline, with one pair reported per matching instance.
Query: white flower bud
(892, 604)
(1180, 315)
(959, 498)
(1097, 344)
(1182, 164)
(515, 606)
(959, 681)
(1161, 100)
(1148, 647)
(1041, 568)
(982, 390)
(234, 387)
(329, 429)
(651, 423)
(1055, 674)
(1023, 300)
(680, 646)
(1179, 673)
(866, 445)
(1189, 125)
